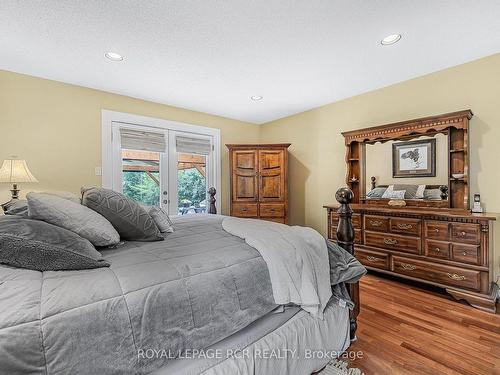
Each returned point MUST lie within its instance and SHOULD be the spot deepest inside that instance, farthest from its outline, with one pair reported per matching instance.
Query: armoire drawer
(272, 210)
(437, 273)
(373, 259)
(244, 209)
(395, 242)
(280, 220)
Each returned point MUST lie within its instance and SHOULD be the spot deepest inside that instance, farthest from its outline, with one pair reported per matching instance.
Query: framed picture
(414, 159)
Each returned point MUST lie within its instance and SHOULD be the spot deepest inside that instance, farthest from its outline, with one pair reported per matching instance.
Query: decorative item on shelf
(477, 204)
(458, 176)
(397, 203)
(14, 171)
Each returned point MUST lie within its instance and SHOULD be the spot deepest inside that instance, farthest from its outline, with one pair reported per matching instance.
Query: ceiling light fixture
(256, 97)
(390, 39)
(113, 56)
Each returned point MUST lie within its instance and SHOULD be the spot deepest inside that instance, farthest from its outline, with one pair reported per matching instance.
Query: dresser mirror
(429, 156)
(409, 169)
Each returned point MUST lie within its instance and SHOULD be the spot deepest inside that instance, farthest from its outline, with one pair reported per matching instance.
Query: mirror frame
(455, 125)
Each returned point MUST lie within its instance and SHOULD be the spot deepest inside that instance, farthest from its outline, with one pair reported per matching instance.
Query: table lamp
(14, 171)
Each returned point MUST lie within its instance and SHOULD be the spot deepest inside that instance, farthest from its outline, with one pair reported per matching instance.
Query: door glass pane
(141, 176)
(192, 183)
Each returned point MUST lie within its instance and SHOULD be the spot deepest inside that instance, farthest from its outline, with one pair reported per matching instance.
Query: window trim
(108, 147)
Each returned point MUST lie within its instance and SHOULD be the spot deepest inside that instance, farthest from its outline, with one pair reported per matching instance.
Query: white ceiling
(212, 55)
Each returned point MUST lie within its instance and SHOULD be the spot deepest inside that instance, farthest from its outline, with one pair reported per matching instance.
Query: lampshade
(14, 170)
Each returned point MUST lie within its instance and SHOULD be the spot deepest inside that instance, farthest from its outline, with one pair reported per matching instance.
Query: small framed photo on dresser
(414, 159)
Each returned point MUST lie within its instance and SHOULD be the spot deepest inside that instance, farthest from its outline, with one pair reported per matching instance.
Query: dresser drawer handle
(272, 210)
(437, 249)
(464, 253)
(455, 276)
(436, 230)
(405, 226)
(408, 267)
(244, 209)
(375, 223)
(389, 241)
(372, 259)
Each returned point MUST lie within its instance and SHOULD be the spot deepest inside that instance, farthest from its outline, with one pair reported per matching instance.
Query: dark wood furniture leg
(345, 239)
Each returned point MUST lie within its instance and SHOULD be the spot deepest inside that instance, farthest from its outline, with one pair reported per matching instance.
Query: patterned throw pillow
(378, 192)
(160, 218)
(130, 220)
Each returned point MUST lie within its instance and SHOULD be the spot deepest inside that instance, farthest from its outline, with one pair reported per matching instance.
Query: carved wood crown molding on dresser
(421, 126)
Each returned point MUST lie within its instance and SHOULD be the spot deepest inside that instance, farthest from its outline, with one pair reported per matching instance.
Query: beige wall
(56, 127)
(317, 166)
(379, 164)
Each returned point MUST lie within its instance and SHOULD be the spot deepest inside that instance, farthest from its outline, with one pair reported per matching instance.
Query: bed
(202, 288)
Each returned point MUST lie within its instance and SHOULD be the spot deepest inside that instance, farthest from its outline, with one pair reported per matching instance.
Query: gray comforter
(195, 288)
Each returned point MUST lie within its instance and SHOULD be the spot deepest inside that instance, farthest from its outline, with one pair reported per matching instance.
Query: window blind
(143, 140)
(200, 146)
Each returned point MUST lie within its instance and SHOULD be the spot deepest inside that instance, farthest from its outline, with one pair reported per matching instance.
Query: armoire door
(245, 165)
(271, 175)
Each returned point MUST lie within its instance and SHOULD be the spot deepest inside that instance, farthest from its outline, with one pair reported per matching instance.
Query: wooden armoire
(259, 181)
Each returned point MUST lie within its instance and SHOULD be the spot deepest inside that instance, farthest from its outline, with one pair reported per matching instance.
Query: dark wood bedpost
(211, 208)
(345, 239)
(374, 183)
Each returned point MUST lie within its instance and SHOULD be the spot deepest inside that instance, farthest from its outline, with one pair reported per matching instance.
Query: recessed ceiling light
(390, 39)
(256, 97)
(114, 56)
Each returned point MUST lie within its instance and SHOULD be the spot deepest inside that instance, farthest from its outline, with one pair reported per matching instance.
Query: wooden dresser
(259, 181)
(447, 248)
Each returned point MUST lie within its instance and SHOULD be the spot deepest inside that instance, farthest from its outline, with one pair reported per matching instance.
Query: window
(158, 162)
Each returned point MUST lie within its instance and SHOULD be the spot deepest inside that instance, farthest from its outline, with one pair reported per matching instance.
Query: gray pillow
(18, 207)
(432, 194)
(131, 221)
(40, 246)
(72, 216)
(160, 218)
(410, 190)
(376, 193)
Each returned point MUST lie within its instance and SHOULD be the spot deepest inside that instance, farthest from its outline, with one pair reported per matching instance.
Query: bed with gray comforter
(192, 290)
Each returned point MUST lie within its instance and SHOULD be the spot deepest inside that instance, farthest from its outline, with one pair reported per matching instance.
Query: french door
(169, 168)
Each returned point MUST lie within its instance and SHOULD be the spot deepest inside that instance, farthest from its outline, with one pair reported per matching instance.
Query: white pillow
(394, 194)
(420, 192)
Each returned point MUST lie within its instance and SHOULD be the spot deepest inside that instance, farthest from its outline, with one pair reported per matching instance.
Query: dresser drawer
(356, 220)
(272, 210)
(377, 223)
(405, 244)
(437, 230)
(275, 219)
(466, 253)
(468, 233)
(373, 259)
(357, 235)
(437, 273)
(437, 249)
(405, 226)
(244, 210)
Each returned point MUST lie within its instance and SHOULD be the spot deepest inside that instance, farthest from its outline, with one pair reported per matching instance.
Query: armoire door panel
(271, 179)
(245, 176)
(271, 187)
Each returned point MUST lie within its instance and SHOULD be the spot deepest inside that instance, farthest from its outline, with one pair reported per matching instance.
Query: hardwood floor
(404, 329)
